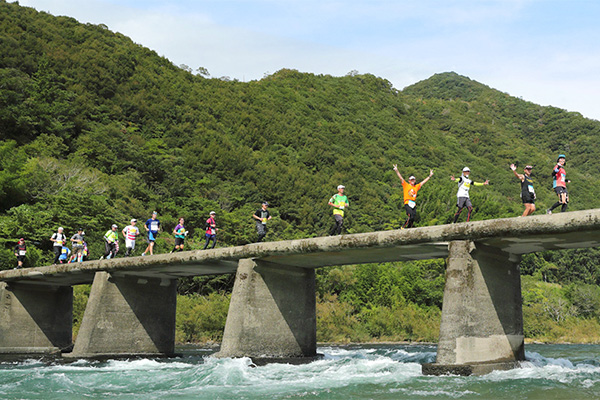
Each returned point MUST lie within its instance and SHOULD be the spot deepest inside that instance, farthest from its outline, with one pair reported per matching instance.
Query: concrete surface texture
(272, 312)
(575, 229)
(128, 316)
(35, 319)
(482, 307)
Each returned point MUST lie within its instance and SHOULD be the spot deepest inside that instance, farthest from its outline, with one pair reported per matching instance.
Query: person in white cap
(111, 243)
(130, 232)
(211, 230)
(410, 190)
(59, 240)
(339, 202)
(463, 199)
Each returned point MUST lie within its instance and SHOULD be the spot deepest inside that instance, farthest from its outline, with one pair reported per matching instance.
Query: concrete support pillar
(35, 319)
(272, 313)
(127, 316)
(482, 317)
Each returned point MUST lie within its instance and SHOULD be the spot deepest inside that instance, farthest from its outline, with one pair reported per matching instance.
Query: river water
(346, 372)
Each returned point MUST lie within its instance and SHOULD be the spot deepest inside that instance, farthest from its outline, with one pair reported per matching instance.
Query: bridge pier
(272, 313)
(35, 319)
(127, 316)
(482, 318)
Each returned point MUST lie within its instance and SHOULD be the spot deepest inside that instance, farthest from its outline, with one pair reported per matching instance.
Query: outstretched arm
(487, 182)
(398, 172)
(514, 170)
(426, 179)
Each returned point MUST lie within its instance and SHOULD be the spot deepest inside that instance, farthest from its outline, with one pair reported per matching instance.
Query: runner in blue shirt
(152, 227)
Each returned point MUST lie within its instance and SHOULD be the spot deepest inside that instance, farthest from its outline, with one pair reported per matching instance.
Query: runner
(152, 227)
(64, 255)
(180, 234)
(59, 239)
(339, 202)
(85, 252)
(463, 199)
(20, 251)
(262, 215)
(410, 190)
(559, 183)
(77, 240)
(111, 243)
(211, 230)
(527, 192)
(130, 232)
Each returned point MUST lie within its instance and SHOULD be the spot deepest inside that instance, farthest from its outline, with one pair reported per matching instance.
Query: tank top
(527, 187)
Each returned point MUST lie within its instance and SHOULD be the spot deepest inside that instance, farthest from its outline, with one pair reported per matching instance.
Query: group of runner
(410, 188)
(339, 202)
(62, 253)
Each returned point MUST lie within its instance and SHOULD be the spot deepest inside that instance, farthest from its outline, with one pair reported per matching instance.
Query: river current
(346, 372)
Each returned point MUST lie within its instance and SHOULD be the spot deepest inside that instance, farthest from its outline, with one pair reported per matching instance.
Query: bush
(201, 318)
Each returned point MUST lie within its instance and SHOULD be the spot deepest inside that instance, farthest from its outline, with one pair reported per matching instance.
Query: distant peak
(447, 86)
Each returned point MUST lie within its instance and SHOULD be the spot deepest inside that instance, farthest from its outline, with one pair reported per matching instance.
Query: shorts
(560, 189)
(20, 258)
(152, 237)
(179, 241)
(528, 200)
(77, 250)
(463, 202)
(129, 244)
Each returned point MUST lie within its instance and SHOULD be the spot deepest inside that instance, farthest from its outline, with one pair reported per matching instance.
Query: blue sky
(544, 51)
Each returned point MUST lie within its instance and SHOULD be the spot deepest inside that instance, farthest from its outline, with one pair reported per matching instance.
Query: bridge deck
(518, 236)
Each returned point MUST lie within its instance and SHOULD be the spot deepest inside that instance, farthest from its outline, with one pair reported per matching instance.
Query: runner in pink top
(211, 230)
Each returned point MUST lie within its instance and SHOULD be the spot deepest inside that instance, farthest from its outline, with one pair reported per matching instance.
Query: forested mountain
(96, 129)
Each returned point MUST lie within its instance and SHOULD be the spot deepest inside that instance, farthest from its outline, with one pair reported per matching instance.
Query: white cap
(212, 212)
(412, 177)
(114, 226)
(341, 187)
(465, 169)
(133, 220)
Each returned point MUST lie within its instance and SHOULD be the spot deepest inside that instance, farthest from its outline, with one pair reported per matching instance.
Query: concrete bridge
(131, 308)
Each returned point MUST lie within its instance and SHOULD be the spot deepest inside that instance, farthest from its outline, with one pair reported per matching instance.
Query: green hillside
(95, 130)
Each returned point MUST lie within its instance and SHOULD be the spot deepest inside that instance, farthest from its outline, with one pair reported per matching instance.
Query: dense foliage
(95, 130)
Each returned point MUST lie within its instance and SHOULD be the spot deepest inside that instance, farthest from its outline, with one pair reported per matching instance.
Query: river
(346, 372)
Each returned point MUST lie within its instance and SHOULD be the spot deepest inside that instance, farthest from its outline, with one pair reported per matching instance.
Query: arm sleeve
(477, 183)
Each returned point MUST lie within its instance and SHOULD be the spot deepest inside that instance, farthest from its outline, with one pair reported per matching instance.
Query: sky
(543, 51)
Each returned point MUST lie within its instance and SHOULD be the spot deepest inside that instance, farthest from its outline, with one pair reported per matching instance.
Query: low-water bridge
(132, 303)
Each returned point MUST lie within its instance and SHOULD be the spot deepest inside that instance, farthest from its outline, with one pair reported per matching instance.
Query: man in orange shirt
(410, 196)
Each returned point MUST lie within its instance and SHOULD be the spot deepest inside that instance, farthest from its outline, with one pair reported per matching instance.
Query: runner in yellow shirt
(410, 189)
(339, 202)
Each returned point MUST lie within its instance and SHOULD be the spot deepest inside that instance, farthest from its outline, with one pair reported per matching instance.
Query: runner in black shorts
(559, 183)
(20, 251)
(527, 191)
